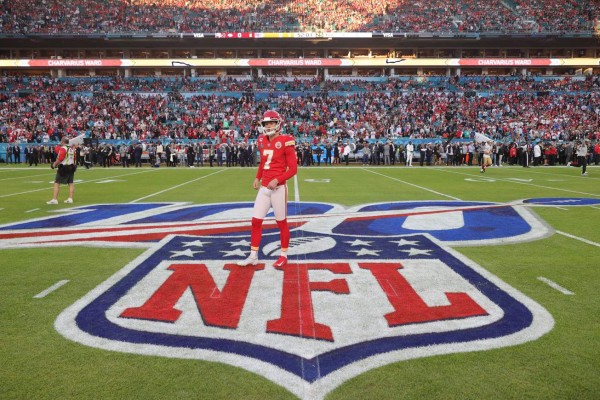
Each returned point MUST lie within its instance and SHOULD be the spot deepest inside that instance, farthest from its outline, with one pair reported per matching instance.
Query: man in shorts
(66, 164)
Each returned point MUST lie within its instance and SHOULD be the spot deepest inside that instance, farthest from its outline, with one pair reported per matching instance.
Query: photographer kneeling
(66, 164)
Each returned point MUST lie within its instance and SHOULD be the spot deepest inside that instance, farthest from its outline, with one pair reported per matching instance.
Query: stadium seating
(118, 16)
(504, 108)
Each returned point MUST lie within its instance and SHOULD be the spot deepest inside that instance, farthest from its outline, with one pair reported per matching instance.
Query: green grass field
(39, 363)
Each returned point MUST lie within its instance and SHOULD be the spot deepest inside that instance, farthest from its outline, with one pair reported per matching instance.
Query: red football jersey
(277, 159)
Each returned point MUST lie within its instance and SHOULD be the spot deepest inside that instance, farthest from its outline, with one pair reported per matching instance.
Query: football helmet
(271, 116)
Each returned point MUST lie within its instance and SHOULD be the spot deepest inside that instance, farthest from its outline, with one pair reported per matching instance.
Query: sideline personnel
(582, 152)
(66, 163)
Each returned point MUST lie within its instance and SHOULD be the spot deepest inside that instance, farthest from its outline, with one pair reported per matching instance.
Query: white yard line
(23, 177)
(412, 184)
(78, 183)
(491, 176)
(556, 286)
(50, 289)
(27, 192)
(176, 186)
(296, 189)
(548, 171)
(578, 238)
(29, 211)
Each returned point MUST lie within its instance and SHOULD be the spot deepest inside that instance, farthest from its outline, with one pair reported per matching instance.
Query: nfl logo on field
(342, 305)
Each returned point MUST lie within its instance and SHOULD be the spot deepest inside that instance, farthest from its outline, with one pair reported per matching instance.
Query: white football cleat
(248, 261)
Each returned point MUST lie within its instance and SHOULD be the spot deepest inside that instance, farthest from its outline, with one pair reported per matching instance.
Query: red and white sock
(284, 232)
(255, 235)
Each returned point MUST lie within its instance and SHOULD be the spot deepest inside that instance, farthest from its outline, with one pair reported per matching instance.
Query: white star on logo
(242, 242)
(197, 243)
(359, 242)
(236, 252)
(415, 252)
(186, 252)
(404, 242)
(366, 252)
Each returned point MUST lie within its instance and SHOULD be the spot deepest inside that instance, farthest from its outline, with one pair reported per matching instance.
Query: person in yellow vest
(67, 164)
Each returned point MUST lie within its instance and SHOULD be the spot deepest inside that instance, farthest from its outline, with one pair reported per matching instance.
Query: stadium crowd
(261, 84)
(506, 110)
(115, 16)
(535, 120)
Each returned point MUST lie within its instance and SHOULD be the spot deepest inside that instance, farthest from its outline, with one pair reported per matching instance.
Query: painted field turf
(39, 363)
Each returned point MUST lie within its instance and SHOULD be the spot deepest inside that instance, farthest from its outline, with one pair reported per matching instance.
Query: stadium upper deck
(304, 38)
(179, 16)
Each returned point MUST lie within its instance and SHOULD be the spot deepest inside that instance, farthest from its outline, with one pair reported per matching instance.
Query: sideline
(176, 186)
(412, 184)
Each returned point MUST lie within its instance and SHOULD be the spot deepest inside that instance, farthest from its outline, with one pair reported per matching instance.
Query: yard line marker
(296, 189)
(50, 289)
(35, 209)
(578, 238)
(556, 286)
(597, 208)
(24, 177)
(176, 186)
(412, 184)
(562, 208)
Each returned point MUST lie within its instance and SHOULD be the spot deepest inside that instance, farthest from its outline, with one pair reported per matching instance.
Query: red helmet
(271, 116)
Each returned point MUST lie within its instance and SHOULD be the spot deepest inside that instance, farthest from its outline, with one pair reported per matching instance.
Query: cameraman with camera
(66, 164)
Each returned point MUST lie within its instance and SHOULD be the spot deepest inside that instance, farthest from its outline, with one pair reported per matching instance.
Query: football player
(486, 160)
(278, 163)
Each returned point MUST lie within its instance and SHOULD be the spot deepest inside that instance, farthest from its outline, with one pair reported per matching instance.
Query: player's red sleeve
(259, 173)
(292, 162)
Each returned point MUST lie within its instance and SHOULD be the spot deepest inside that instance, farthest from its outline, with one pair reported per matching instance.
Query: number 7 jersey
(277, 159)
